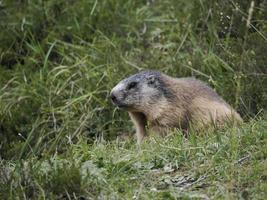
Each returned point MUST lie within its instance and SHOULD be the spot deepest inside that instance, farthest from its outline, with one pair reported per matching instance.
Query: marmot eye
(131, 85)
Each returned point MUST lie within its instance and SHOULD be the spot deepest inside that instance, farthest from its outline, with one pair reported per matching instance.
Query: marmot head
(139, 90)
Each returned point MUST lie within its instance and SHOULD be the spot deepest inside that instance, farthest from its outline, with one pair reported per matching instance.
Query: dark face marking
(167, 92)
(132, 85)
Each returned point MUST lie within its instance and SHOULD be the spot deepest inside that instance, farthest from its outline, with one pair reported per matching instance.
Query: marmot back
(164, 102)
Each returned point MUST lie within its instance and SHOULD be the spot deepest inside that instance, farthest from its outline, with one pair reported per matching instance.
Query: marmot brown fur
(162, 102)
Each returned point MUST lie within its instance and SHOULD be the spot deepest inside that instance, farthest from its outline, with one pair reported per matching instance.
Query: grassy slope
(58, 62)
(229, 164)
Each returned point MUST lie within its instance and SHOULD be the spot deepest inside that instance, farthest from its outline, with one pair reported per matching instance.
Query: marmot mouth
(125, 107)
(122, 106)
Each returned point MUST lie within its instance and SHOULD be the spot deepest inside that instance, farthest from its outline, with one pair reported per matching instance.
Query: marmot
(162, 102)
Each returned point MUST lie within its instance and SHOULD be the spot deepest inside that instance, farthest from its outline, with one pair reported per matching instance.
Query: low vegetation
(227, 164)
(60, 136)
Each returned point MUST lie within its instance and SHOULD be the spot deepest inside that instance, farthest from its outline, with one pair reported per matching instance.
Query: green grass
(227, 164)
(59, 131)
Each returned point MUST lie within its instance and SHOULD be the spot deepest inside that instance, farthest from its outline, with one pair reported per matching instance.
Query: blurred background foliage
(60, 58)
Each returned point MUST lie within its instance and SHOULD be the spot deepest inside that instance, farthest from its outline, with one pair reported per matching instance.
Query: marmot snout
(166, 102)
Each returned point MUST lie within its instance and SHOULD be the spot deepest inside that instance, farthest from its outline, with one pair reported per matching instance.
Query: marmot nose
(113, 98)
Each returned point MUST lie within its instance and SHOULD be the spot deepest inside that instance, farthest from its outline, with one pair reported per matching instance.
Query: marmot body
(164, 102)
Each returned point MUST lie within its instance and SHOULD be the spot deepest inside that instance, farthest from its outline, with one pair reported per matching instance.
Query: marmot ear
(151, 80)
